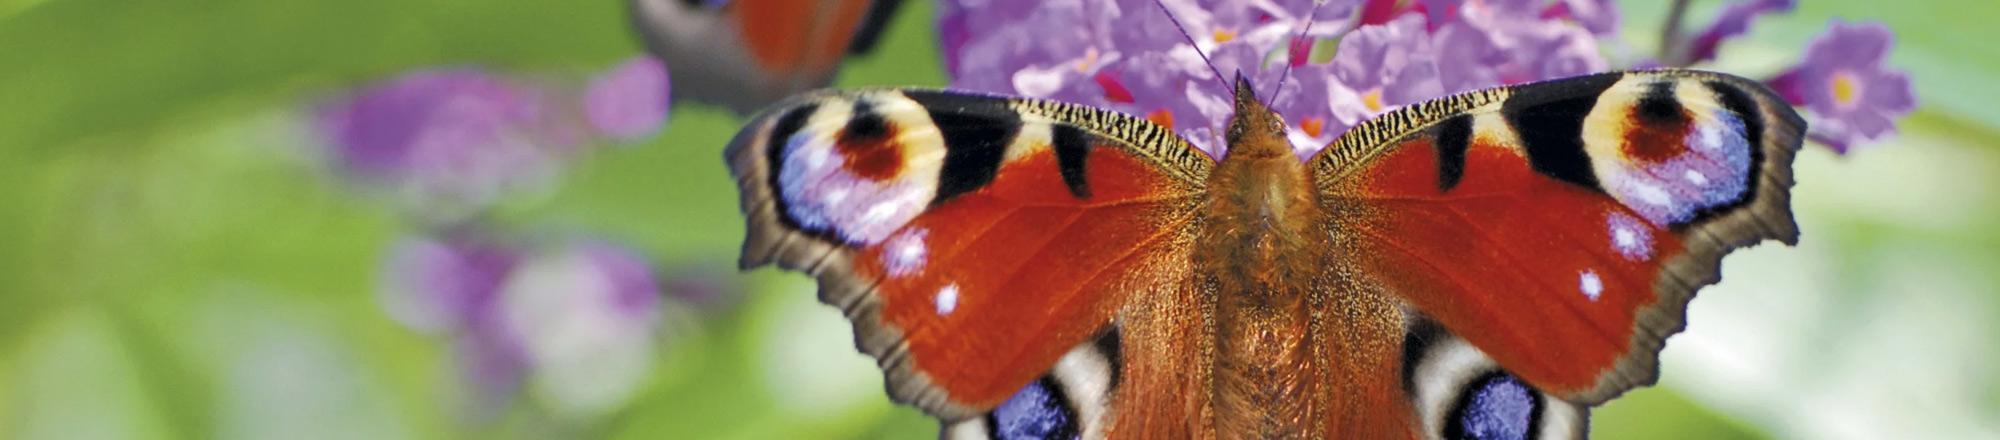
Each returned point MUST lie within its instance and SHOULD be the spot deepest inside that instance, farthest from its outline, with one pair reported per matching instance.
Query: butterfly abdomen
(1292, 357)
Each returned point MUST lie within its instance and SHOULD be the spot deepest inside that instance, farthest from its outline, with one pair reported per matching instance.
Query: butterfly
(1489, 264)
(746, 54)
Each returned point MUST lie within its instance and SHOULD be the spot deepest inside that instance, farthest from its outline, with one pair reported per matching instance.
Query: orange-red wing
(1561, 227)
(971, 239)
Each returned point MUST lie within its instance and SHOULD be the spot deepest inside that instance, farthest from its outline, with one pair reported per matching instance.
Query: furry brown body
(1285, 331)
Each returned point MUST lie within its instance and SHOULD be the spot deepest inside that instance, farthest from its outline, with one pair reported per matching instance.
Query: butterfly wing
(746, 54)
(972, 240)
(1561, 227)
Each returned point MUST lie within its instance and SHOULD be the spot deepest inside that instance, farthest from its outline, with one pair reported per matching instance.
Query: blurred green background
(174, 263)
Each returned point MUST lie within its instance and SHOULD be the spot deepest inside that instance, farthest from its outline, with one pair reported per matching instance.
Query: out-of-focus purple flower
(1734, 20)
(1599, 16)
(1532, 45)
(1066, 39)
(450, 287)
(588, 318)
(578, 323)
(1554, 52)
(1491, 10)
(445, 141)
(1850, 96)
(1473, 59)
(1306, 101)
(630, 101)
(437, 285)
(1374, 12)
(1383, 67)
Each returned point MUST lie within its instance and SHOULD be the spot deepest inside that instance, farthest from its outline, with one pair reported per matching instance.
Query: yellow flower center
(1089, 59)
(1845, 88)
(1224, 35)
(1373, 100)
(1313, 126)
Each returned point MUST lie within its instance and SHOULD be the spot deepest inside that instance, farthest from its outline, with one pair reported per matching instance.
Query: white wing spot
(1591, 285)
(1711, 136)
(880, 212)
(1696, 177)
(816, 157)
(947, 299)
(1630, 237)
(834, 196)
(905, 253)
(1652, 194)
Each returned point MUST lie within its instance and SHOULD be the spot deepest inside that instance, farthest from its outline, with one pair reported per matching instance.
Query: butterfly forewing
(973, 240)
(1561, 227)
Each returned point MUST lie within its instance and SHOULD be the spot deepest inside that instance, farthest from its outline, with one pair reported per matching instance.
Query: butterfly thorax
(1263, 264)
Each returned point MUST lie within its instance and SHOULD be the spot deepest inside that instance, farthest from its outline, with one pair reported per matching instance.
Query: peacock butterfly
(1489, 264)
(746, 54)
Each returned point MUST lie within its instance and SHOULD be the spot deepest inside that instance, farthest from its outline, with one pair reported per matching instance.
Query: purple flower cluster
(577, 322)
(448, 143)
(1850, 94)
(1129, 55)
(1132, 56)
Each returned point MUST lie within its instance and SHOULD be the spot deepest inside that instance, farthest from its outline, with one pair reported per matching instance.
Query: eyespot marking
(867, 145)
(839, 167)
(1496, 407)
(1669, 149)
(1039, 411)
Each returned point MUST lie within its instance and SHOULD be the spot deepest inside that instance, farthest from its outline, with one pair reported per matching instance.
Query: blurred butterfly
(1484, 265)
(746, 54)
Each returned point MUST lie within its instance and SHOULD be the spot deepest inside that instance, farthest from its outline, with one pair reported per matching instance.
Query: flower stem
(1670, 37)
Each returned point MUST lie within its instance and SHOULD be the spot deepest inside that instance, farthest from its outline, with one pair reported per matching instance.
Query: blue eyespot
(1039, 412)
(1495, 407)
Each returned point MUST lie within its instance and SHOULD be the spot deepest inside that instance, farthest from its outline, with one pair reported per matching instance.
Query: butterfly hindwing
(1561, 227)
(971, 239)
(745, 54)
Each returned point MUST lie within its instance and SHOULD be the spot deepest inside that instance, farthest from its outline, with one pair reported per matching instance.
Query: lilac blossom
(1475, 58)
(587, 317)
(1531, 46)
(628, 102)
(445, 142)
(1383, 67)
(1307, 103)
(1734, 20)
(1553, 52)
(1850, 95)
(577, 323)
(1598, 16)
(449, 287)
(1130, 56)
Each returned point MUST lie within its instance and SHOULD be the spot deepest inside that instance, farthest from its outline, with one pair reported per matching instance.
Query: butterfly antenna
(1303, 33)
(1197, 47)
